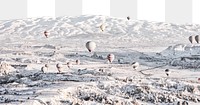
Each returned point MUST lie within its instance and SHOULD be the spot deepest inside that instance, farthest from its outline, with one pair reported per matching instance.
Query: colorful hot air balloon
(90, 46)
(111, 57)
(59, 67)
(135, 65)
(102, 27)
(191, 39)
(46, 34)
(167, 72)
(197, 38)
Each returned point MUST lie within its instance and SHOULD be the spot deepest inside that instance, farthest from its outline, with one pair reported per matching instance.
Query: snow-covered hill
(156, 46)
(88, 27)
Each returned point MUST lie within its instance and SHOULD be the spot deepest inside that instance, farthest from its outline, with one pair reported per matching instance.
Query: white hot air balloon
(4, 68)
(69, 64)
(46, 34)
(197, 38)
(192, 39)
(90, 46)
(59, 67)
(102, 27)
(111, 57)
(167, 71)
(135, 65)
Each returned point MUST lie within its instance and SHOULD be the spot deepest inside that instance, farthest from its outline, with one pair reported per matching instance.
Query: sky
(98, 7)
(152, 10)
(196, 11)
(39, 8)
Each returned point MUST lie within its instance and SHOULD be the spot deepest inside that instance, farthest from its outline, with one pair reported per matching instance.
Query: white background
(97, 7)
(196, 11)
(40, 8)
(153, 10)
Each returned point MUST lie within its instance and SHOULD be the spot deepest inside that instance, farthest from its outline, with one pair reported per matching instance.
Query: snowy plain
(155, 45)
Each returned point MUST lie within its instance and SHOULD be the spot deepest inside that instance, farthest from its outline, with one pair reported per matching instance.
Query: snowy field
(156, 46)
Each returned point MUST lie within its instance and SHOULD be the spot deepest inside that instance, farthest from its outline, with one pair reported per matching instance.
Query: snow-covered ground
(156, 46)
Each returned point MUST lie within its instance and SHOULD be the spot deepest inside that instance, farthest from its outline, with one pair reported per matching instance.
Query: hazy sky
(98, 7)
(196, 11)
(38, 8)
(152, 10)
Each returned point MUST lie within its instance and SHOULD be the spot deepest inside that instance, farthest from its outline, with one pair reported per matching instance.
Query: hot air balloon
(102, 27)
(59, 67)
(135, 65)
(128, 18)
(111, 57)
(46, 65)
(77, 62)
(191, 39)
(90, 46)
(197, 38)
(4, 68)
(69, 64)
(46, 34)
(44, 69)
(167, 72)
